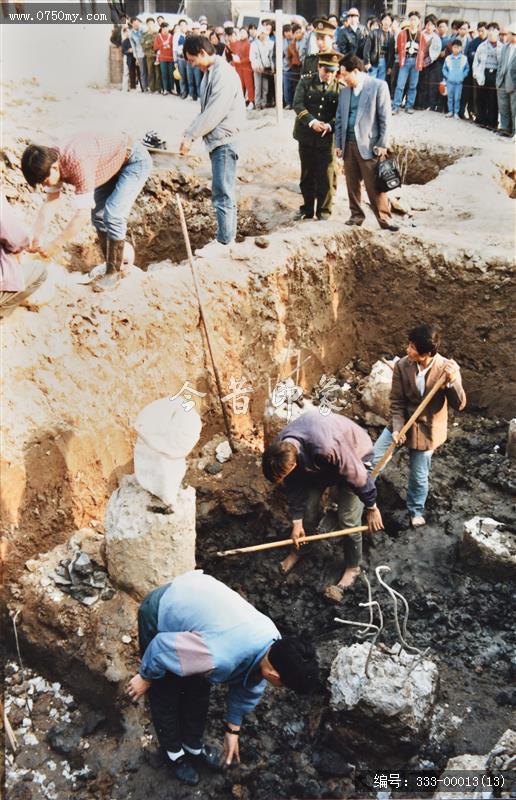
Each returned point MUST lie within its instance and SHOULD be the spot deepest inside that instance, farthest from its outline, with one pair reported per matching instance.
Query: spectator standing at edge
(352, 37)
(220, 121)
(427, 88)
(475, 44)
(413, 378)
(136, 40)
(411, 56)
(315, 104)
(362, 137)
(506, 85)
(287, 38)
(194, 74)
(261, 62)
(163, 47)
(294, 63)
(466, 101)
(241, 50)
(151, 59)
(324, 33)
(129, 77)
(485, 68)
(455, 69)
(442, 31)
(179, 59)
(379, 50)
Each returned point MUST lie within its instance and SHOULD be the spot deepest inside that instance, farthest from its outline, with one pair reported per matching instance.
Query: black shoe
(391, 227)
(323, 217)
(209, 756)
(184, 770)
(352, 221)
(303, 215)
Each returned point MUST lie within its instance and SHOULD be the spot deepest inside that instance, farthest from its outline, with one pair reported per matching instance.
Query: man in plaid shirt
(108, 171)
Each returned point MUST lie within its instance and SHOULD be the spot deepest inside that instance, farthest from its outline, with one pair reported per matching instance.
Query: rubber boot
(114, 258)
(102, 239)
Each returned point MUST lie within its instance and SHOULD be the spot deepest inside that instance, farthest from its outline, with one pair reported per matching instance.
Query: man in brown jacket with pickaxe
(414, 377)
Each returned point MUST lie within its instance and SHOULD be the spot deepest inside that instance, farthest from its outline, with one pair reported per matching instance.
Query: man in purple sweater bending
(316, 451)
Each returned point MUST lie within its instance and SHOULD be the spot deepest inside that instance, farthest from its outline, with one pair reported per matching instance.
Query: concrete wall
(59, 56)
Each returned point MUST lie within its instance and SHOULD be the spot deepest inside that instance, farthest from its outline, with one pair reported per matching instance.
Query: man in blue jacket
(362, 137)
(194, 632)
(312, 453)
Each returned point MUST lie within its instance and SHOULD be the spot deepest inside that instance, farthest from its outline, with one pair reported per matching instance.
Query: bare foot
(290, 562)
(349, 578)
(418, 522)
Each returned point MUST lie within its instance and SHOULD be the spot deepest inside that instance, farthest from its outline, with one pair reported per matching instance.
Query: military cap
(331, 61)
(324, 27)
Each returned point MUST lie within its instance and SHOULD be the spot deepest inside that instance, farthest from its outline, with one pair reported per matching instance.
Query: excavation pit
(84, 367)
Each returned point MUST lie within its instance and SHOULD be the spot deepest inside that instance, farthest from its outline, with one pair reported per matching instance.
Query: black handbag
(387, 175)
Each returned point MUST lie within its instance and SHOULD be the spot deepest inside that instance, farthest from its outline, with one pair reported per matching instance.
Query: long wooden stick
(421, 407)
(284, 542)
(203, 320)
(159, 151)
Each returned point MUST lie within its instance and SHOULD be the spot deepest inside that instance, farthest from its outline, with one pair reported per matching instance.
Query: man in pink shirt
(16, 282)
(108, 171)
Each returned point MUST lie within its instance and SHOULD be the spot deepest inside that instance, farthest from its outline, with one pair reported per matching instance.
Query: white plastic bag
(167, 432)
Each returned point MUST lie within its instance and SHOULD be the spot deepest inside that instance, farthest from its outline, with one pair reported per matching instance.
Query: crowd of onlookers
(462, 70)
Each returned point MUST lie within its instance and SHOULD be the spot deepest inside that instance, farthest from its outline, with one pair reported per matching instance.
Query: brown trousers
(359, 169)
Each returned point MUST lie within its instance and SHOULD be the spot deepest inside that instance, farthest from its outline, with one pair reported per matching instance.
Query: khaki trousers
(359, 169)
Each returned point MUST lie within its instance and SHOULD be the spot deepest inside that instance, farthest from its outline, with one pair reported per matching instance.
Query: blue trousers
(183, 71)
(454, 94)
(167, 75)
(380, 70)
(406, 73)
(115, 199)
(194, 76)
(224, 165)
(419, 470)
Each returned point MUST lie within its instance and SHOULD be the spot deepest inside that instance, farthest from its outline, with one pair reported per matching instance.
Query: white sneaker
(456, 116)
(214, 249)
(449, 115)
(250, 107)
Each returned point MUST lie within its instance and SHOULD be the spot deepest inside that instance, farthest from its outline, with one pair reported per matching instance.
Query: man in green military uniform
(324, 32)
(315, 104)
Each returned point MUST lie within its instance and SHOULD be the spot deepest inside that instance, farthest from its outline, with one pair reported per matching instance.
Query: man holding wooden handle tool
(414, 378)
(316, 451)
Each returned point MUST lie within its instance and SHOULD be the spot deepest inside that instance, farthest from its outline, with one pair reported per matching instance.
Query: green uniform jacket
(310, 102)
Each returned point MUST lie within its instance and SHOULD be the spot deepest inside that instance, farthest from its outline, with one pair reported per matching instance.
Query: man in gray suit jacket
(506, 85)
(362, 137)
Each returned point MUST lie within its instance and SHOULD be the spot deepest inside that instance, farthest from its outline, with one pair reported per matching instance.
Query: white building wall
(58, 56)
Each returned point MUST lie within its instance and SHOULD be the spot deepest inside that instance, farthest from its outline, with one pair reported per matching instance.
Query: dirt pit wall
(86, 364)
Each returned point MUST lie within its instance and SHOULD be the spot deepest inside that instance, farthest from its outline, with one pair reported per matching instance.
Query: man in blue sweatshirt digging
(194, 632)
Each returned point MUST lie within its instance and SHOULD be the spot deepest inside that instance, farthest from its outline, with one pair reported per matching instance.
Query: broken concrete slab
(489, 547)
(376, 390)
(492, 766)
(511, 440)
(146, 546)
(396, 703)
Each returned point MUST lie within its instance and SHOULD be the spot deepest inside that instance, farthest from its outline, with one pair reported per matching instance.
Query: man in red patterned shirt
(108, 171)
